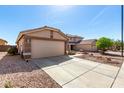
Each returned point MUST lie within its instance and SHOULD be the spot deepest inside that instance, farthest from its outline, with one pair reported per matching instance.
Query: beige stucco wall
(74, 39)
(46, 34)
(86, 47)
(43, 33)
(45, 48)
(58, 36)
(21, 45)
(51, 43)
(2, 42)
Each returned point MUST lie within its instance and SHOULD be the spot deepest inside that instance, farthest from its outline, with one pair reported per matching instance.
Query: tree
(117, 45)
(104, 44)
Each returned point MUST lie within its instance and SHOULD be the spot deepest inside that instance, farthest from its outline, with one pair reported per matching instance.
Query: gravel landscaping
(109, 59)
(22, 74)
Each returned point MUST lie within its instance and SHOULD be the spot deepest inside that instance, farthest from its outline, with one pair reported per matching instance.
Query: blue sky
(87, 21)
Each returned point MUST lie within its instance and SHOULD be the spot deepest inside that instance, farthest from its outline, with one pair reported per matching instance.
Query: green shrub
(103, 44)
(7, 84)
(12, 50)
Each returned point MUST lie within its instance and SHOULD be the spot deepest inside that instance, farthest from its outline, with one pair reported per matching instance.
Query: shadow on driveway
(15, 64)
(51, 61)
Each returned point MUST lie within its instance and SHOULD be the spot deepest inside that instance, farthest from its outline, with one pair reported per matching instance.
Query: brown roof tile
(3, 40)
(88, 41)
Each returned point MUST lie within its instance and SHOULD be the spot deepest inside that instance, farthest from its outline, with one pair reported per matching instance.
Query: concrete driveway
(71, 72)
(119, 82)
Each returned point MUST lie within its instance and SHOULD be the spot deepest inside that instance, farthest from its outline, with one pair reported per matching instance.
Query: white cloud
(97, 16)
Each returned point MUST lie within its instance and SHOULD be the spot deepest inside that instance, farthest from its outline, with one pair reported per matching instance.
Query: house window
(71, 39)
(51, 34)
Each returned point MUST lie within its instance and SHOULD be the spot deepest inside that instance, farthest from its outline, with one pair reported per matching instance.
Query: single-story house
(3, 42)
(41, 42)
(87, 45)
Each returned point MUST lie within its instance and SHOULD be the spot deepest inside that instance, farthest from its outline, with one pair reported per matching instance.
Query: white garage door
(45, 48)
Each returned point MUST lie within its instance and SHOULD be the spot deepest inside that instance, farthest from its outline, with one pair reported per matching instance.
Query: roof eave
(33, 30)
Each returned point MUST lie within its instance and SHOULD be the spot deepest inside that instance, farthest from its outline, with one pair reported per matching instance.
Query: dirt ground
(21, 74)
(116, 60)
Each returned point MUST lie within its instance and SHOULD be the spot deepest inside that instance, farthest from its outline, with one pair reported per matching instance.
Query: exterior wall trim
(41, 29)
(51, 34)
(42, 38)
(65, 48)
(27, 53)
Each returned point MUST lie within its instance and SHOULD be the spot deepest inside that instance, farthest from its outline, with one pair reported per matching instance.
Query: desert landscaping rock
(105, 59)
(22, 74)
(57, 72)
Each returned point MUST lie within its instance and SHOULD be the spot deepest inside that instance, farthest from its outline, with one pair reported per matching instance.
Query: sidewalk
(119, 82)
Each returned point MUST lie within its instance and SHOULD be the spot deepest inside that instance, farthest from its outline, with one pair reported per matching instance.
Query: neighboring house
(3, 45)
(42, 42)
(77, 43)
(87, 45)
(3, 42)
(73, 41)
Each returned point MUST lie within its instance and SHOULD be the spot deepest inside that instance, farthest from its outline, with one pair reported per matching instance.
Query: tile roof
(69, 35)
(3, 40)
(88, 41)
(40, 28)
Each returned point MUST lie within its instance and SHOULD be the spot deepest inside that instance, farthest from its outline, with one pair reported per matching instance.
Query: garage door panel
(45, 48)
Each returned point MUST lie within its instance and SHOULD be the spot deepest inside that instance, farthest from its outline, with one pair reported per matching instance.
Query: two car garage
(46, 48)
(42, 42)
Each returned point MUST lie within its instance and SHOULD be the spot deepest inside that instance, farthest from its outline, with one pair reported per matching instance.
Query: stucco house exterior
(73, 41)
(41, 42)
(3, 45)
(3, 42)
(87, 45)
(78, 43)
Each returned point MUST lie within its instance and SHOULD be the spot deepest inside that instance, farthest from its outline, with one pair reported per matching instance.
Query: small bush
(71, 52)
(7, 84)
(12, 50)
